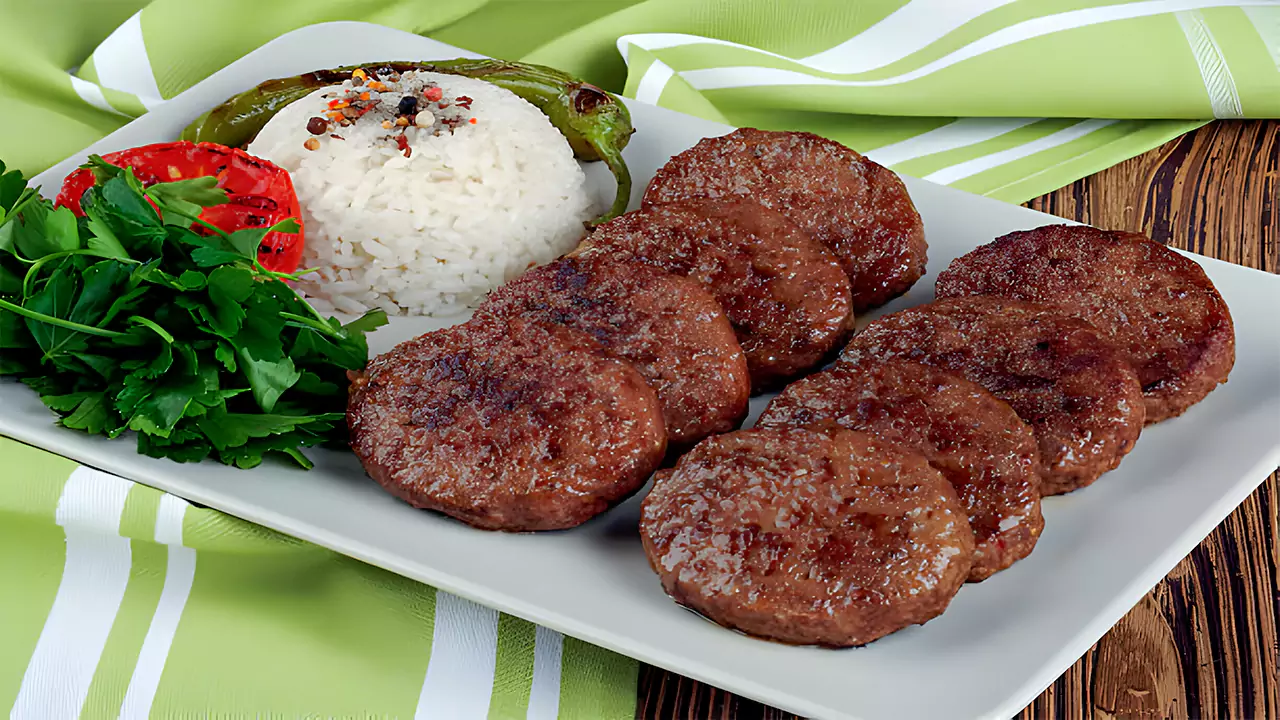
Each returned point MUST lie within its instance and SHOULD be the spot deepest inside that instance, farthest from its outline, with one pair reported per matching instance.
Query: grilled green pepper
(596, 124)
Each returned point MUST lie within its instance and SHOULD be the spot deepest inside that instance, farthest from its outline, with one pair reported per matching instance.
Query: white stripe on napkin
(94, 578)
(179, 575)
(905, 31)
(1218, 83)
(960, 133)
(92, 94)
(909, 29)
(654, 81)
(544, 694)
(749, 76)
(464, 654)
(122, 63)
(1266, 22)
(662, 41)
(963, 170)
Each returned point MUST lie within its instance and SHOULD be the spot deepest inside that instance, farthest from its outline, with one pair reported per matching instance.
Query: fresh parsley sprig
(127, 319)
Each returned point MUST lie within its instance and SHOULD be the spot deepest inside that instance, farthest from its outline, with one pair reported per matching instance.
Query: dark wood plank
(1202, 643)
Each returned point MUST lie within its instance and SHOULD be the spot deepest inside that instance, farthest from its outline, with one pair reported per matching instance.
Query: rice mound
(472, 206)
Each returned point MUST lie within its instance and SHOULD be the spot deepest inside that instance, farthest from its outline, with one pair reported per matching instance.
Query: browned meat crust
(668, 327)
(855, 207)
(807, 535)
(783, 292)
(975, 440)
(1070, 385)
(506, 427)
(1156, 306)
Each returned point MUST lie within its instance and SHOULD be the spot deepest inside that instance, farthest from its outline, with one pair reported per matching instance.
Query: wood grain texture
(1202, 643)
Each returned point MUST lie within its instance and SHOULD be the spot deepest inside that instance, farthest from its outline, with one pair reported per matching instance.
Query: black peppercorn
(408, 105)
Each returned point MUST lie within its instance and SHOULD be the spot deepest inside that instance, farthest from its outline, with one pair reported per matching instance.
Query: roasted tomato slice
(259, 193)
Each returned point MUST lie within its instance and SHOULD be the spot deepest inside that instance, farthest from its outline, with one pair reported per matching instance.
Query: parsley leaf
(185, 199)
(368, 322)
(132, 221)
(103, 240)
(135, 319)
(84, 411)
(99, 285)
(32, 236)
(12, 184)
(228, 288)
(246, 241)
(228, 430)
(60, 231)
(211, 250)
(56, 298)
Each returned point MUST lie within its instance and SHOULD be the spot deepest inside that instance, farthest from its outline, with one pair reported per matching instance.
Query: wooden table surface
(1202, 643)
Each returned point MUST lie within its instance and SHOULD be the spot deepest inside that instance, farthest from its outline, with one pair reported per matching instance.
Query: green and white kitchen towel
(120, 601)
(1008, 98)
(117, 600)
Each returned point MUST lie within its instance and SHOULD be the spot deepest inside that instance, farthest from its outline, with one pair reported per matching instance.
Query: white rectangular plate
(1000, 643)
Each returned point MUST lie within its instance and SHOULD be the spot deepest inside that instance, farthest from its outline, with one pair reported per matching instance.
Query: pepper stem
(612, 157)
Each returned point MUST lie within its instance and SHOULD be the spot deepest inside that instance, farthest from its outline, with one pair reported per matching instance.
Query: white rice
(430, 233)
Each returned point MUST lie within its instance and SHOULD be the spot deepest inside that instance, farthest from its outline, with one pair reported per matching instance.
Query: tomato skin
(259, 194)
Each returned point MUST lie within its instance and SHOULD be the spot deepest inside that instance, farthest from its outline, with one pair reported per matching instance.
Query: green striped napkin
(1008, 98)
(118, 600)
